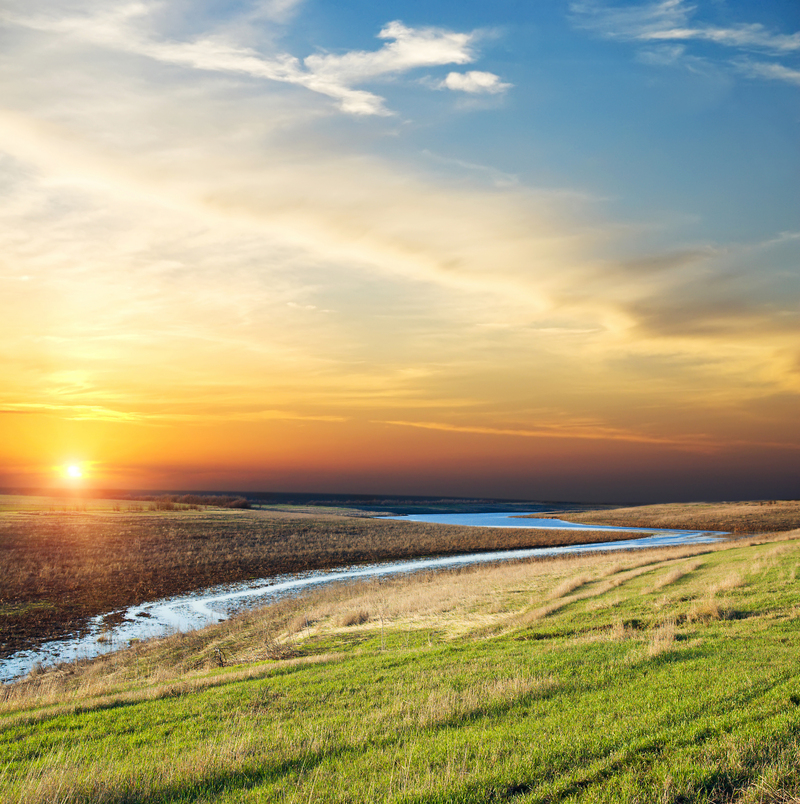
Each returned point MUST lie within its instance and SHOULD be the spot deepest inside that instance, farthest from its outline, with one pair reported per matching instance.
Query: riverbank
(667, 676)
(62, 564)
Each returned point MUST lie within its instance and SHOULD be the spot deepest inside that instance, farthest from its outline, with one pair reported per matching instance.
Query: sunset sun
(74, 471)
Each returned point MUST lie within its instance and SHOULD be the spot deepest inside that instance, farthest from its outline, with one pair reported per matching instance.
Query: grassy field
(658, 676)
(63, 561)
(759, 516)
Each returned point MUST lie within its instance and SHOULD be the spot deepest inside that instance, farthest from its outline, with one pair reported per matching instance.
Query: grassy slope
(670, 676)
(736, 517)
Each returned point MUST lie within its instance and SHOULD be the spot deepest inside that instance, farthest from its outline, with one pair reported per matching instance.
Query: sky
(541, 250)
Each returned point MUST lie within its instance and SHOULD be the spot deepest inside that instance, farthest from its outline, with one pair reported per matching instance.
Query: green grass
(668, 677)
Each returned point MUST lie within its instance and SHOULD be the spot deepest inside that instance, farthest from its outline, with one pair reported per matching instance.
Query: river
(115, 630)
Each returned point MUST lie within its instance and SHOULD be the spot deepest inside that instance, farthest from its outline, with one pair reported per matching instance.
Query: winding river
(116, 630)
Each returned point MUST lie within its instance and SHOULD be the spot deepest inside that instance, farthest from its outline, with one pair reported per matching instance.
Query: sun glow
(74, 472)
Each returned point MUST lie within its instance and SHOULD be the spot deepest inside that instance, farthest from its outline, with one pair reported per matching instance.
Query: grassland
(62, 561)
(760, 516)
(665, 676)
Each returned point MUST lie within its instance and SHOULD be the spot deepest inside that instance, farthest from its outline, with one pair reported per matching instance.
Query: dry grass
(69, 772)
(53, 694)
(447, 704)
(731, 581)
(614, 573)
(350, 618)
(570, 585)
(662, 638)
(481, 601)
(674, 575)
(705, 611)
(739, 517)
(620, 630)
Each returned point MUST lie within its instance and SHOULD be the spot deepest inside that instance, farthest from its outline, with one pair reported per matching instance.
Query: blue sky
(518, 227)
(680, 125)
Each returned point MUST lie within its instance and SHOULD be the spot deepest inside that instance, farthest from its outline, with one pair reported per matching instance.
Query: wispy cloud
(73, 412)
(498, 177)
(674, 21)
(631, 22)
(671, 20)
(98, 413)
(593, 432)
(662, 54)
(276, 10)
(771, 70)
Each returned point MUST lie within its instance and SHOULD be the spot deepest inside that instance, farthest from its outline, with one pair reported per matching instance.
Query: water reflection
(521, 520)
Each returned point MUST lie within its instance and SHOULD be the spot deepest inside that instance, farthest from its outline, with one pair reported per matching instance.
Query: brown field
(60, 566)
(760, 516)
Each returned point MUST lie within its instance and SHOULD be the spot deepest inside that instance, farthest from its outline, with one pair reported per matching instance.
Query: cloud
(663, 55)
(276, 10)
(741, 36)
(772, 71)
(498, 177)
(124, 29)
(670, 20)
(475, 82)
(668, 261)
(593, 432)
(630, 22)
(407, 49)
(665, 29)
(186, 266)
(74, 412)
(710, 295)
(179, 226)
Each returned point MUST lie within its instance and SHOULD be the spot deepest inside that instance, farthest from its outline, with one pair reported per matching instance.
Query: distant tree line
(169, 502)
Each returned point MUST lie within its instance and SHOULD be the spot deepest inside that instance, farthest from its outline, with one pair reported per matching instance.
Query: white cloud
(475, 82)
(408, 48)
(124, 29)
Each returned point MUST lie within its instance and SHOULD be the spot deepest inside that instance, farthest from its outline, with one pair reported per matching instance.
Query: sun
(74, 471)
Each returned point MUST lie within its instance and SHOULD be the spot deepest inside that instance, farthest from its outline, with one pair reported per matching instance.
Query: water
(116, 630)
(515, 520)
